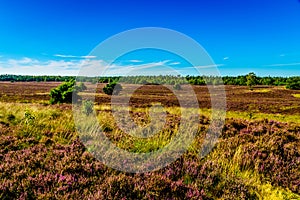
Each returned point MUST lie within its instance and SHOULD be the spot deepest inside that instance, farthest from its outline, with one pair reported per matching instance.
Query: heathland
(256, 157)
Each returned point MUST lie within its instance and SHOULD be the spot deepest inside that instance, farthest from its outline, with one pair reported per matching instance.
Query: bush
(64, 92)
(293, 86)
(11, 117)
(112, 88)
(87, 107)
(28, 117)
(81, 86)
(177, 86)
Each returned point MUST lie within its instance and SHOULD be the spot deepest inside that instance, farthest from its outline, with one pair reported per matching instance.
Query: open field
(256, 157)
(263, 99)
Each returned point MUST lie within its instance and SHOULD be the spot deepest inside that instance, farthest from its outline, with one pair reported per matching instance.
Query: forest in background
(194, 80)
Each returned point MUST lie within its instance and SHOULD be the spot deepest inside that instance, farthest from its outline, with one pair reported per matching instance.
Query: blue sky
(55, 37)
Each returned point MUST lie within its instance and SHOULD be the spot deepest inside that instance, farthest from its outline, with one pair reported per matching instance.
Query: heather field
(256, 157)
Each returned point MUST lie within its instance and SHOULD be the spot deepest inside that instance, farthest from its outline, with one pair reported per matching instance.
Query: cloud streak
(283, 65)
(205, 66)
(175, 63)
(135, 61)
(93, 67)
(72, 56)
(141, 69)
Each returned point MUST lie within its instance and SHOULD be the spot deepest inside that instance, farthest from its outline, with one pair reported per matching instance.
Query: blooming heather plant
(252, 160)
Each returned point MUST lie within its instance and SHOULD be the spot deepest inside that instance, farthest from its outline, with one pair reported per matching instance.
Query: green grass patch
(31, 120)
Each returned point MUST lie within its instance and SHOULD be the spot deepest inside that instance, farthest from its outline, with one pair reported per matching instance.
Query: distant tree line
(26, 78)
(250, 79)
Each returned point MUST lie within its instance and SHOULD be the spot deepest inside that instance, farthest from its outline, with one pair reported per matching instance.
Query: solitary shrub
(81, 86)
(94, 81)
(87, 107)
(177, 86)
(112, 88)
(64, 92)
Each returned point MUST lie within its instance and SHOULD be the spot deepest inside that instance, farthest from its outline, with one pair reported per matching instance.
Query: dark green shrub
(293, 86)
(81, 86)
(64, 92)
(11, 117)
(112, 88)
(87, 107)
(177, 86)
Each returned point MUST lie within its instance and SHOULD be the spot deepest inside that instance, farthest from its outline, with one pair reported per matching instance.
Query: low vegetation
(41, 157)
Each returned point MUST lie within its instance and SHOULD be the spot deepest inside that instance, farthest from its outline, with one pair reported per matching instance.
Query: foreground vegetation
(41, 157)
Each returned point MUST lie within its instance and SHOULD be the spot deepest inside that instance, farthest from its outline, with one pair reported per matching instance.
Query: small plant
(81, 86)
(177, 86)
(250, 115)
(112, 88)
(11, 117)
(29, 117)
(87, 107)
(94, 81)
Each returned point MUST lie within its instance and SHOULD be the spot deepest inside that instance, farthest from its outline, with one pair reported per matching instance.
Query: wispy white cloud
(88, 57)
(135, 61)
(72, 56)
(283, 64)
(226, 58)
(205, 66)
(29, 66)
(94, 67)
(156, 68)
(141, 69)
(175, 63)
(22, 61)
(64, 56)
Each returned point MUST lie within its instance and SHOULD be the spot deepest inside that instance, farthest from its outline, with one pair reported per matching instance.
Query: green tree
(251, 80)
